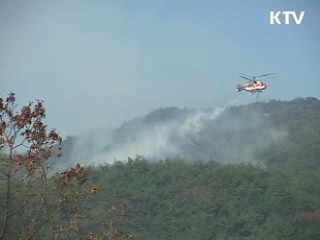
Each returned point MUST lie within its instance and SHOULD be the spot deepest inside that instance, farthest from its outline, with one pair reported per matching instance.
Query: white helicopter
(255, 84)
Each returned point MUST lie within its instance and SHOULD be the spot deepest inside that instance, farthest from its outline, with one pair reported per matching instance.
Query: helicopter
(255, 83)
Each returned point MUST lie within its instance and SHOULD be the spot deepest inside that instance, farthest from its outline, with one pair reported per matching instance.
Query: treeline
(175, 199)
(180, 200)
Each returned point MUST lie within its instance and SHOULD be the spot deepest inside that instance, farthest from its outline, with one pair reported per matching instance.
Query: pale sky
(97, 63)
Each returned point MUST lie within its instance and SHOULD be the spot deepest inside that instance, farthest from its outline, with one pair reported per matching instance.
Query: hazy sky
(98, 62)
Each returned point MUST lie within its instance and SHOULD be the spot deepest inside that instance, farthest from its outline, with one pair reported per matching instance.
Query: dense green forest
(276, 196)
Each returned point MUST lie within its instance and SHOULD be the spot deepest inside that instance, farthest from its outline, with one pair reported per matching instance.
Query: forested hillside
(266, 133)
(268, 190)
(179, 200)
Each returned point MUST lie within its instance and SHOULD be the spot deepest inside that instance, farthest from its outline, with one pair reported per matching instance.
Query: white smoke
(159, 141)
(196, 135)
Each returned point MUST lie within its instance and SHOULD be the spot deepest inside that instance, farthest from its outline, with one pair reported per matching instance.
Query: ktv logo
(286, 17)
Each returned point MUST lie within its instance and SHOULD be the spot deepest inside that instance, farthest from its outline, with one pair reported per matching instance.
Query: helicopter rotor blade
(246, 78)
(246, 75)
(268, 78)
(263, 75)
(257, 76)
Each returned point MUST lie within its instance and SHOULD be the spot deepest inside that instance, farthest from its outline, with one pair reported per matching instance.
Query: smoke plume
(227, 134)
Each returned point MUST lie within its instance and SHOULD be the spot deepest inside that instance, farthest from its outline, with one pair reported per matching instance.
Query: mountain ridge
(233, 134)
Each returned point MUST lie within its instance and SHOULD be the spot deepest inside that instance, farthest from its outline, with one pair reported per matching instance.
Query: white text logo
(281, 17)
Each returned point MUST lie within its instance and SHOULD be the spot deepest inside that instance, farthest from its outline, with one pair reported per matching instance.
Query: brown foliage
(25, 129)
(26, 144)
(78, 175)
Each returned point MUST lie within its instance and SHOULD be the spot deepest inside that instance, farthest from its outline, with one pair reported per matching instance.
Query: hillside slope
(268, 133)
(258, 176)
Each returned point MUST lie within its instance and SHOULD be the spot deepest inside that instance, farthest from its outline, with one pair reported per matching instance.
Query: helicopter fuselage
(256, 86)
